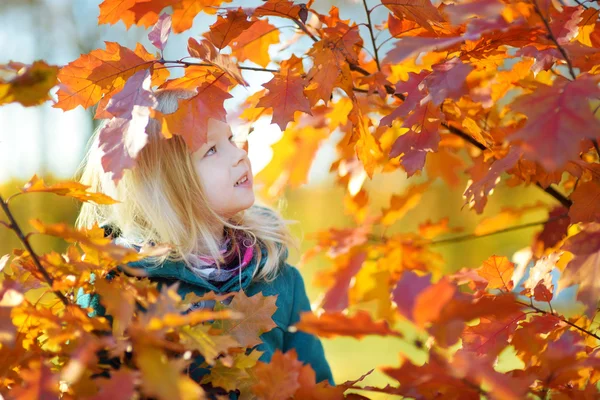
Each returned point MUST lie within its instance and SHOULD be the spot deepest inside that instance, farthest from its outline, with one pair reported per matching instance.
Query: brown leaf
(29, 85)
(279, 378)
(257, 319)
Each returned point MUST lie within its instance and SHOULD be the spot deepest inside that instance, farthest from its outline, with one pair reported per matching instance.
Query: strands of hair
(161, 200)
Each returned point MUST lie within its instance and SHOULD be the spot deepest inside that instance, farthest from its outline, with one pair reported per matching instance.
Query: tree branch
(189, 64)
(539, 310)
(370, 26)
(553, 38)
(15, 227)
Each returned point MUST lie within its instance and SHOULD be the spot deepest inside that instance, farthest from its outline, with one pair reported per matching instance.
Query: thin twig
(15, 227)
(189, 64)
(561, 319)
(370, 26)
(553, 38)
(509, 229)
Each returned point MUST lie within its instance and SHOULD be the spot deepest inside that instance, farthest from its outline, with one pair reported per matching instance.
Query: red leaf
(286, 93)
(558, 118)
(279, 378)
(228, 28)
(448, 80)
(336, 298)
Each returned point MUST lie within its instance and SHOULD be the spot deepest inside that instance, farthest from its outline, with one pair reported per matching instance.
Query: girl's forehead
(217, 128)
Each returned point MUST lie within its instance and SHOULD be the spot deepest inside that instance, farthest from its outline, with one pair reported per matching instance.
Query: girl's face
(220, 164)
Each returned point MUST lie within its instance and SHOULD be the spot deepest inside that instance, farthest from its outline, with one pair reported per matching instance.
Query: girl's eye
(208, 152)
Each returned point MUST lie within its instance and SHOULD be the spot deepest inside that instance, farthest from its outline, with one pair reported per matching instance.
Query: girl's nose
(240, 153)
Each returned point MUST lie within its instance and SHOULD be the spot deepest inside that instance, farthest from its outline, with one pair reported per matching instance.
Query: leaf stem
(370, 26)
(15, 227)
(553, 38)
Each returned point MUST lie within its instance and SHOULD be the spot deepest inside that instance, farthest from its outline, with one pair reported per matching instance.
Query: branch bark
(17, 229)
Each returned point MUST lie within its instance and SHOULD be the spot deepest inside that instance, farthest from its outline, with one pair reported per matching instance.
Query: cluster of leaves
(510, 85)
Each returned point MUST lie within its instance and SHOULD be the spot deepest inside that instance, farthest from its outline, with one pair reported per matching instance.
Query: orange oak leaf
(207, 52)
(28, 85)
(279, 378)
(586, 202)
(558, 118)
(286, 93)
(584, 269)
(227, 28)
(191, 120)
(401, 204)
(85, 80)
(420, 11)
(284, 9)
(257, 319)
(119, 304)
(253, 43)
(162, 377)
(70, 189)
(146, 13)
(498, 271)
(329, 325)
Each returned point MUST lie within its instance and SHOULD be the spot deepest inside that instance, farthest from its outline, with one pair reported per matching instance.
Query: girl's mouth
(244, 182)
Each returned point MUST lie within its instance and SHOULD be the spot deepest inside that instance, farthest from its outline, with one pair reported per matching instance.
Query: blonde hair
(162, 201)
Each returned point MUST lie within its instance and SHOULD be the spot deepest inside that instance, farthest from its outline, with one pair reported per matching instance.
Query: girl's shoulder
(285, 282)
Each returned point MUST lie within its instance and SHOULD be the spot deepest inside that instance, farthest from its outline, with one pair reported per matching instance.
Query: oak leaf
(558, 118)
(420, 11)
(498, 271)
(191, 120)
(584, 269)
(256, 311)
(253, 44)
(159, 34)
(228, 28)
(329, 325)
(286, 93)
(162, 377)
(85, 80)
(28, 85)
(279, 378)
(76, 190)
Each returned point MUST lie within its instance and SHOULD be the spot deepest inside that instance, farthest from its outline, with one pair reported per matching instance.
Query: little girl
(202, 202)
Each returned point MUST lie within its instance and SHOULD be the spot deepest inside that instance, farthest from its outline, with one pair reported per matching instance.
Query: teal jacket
(291, 301)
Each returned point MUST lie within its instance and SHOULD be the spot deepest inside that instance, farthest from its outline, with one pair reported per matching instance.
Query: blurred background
(51, 143)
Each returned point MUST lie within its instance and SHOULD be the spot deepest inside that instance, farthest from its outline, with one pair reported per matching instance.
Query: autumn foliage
(491, 89)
